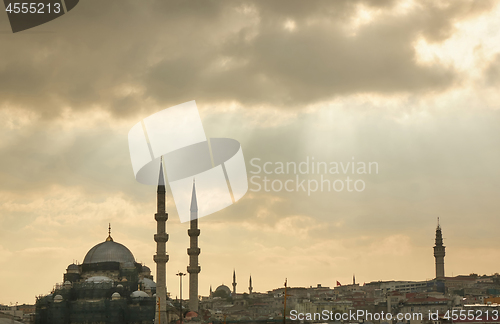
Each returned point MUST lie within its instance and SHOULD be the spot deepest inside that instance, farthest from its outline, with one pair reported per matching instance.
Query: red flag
(338, 284)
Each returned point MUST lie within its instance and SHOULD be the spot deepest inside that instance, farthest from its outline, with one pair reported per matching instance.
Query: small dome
(109, 251)
(98, 279)
(73, 267)
(119, 286)
(223, 288)
(145, 269)
(148, 283)
(139, 294)
(116, 295)
(58, 298)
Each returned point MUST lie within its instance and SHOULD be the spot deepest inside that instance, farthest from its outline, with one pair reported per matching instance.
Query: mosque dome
(58, 299)
(139, 294)
(145, 269)
(115, 296)
(109, 251)
(222, 289)
(148, 283)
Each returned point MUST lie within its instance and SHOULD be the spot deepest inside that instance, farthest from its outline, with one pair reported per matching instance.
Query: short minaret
(439, 253)
(353, 280)
(234, 283)
(250, 288)
(193, 251)
(161, 257)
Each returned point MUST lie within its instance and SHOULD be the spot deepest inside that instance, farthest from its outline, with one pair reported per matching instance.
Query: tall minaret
(193, 251)
(234, 283)
(250, 288)
(161, 257)
(439, 252)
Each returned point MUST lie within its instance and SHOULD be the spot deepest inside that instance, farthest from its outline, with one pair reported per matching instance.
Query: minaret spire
(161, 257)
(193, 251)
(250, 288)
(234, 283)
(109, 238)
(439, 252)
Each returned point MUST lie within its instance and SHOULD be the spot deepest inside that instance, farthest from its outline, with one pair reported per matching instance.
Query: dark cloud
(124, 56)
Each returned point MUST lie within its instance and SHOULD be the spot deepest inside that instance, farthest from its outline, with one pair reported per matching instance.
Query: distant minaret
(193, 251)
(250, 288)
(234, 283)
(439, 252)
(211, 292)
(161, 257)
(353, 279)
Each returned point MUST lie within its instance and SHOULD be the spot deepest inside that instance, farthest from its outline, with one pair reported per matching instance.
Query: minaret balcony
(193, 232)
(161, 217)
(161, 238)
(158, 258)
(193, 269)
(194, 251)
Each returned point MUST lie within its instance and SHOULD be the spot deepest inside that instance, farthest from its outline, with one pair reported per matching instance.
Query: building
(193, 251)
(108, 287)
(439, 252)
(161, 257)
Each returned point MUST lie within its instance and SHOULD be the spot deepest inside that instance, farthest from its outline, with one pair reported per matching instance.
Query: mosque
(108, 287)
(111, 287)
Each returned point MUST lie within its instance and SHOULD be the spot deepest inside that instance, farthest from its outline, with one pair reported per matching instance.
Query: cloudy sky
(411, 85)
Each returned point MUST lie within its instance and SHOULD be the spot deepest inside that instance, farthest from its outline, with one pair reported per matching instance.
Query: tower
(234, 283)
(193, 251)
(353, 279)
(439, 252)
(250, 288)
(161, 257)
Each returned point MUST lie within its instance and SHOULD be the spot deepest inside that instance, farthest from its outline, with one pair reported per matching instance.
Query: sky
(409, 85)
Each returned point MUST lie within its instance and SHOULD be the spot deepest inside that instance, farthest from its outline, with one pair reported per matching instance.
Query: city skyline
(409, 85)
